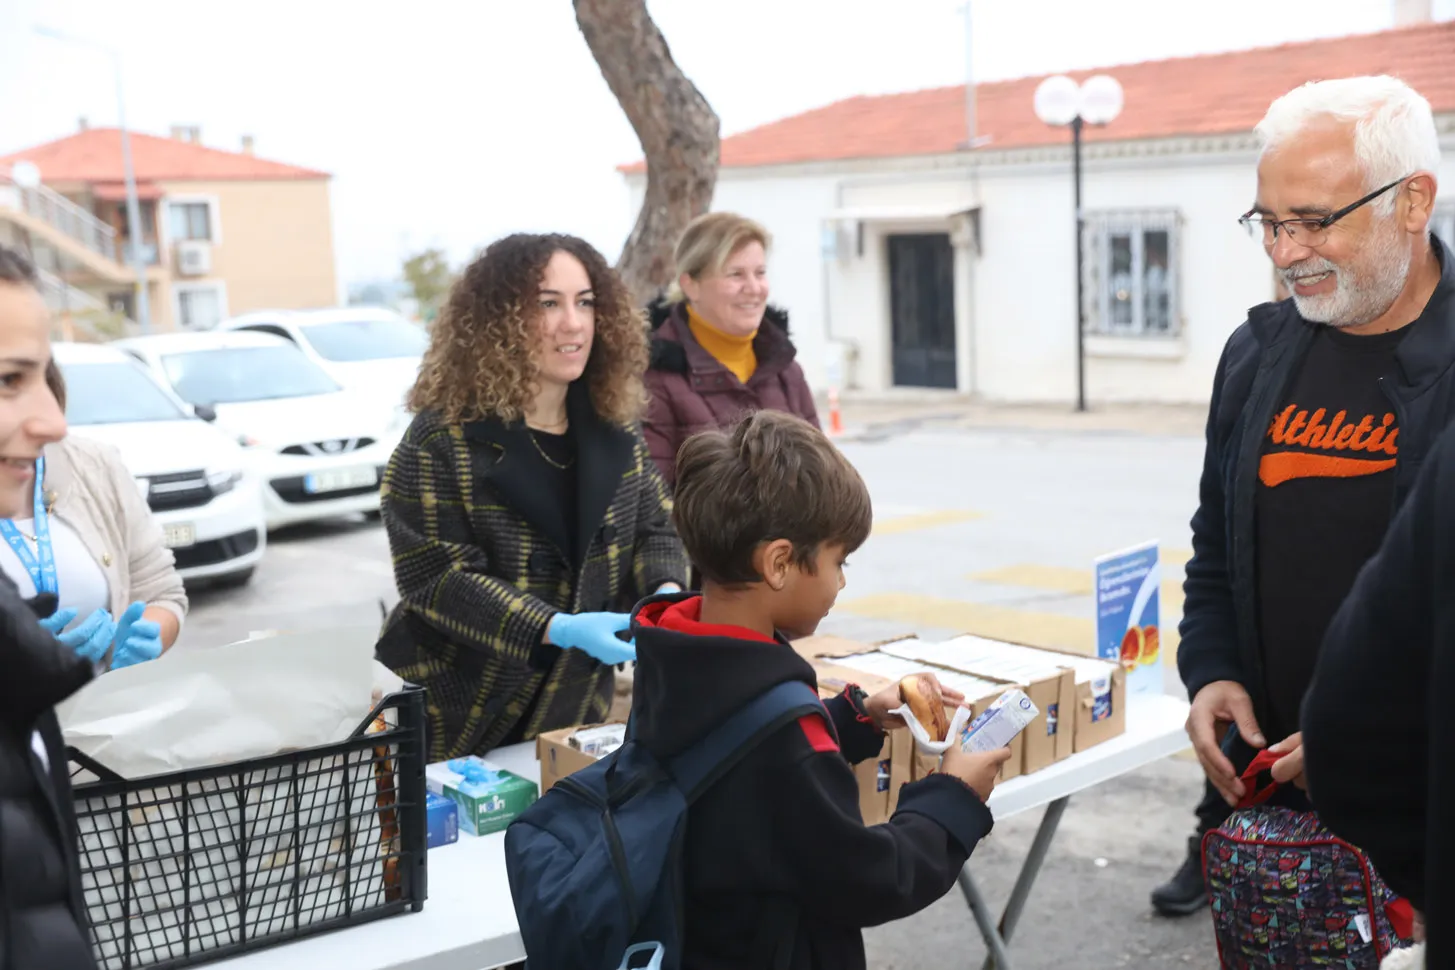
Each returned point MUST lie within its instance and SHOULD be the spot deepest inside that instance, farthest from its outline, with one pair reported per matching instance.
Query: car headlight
(248, 441)
(224, 481)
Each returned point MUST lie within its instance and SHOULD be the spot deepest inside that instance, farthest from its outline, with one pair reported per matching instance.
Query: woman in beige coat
(92, 542)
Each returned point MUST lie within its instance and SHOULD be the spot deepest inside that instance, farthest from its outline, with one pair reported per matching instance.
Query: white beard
(1365, 290)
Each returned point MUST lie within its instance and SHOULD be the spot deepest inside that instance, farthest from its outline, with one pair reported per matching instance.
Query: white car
(366, 349)
(319, 450)
(194, 477)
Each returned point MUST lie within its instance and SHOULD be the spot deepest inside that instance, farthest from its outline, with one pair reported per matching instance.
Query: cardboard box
(485, 806)
(1049, 684)
(1099, 688)
(880, 668)
(558, 758)
(879, 778)
(1101, 697)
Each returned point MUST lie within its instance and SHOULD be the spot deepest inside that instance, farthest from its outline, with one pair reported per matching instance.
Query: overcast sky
(452, 122)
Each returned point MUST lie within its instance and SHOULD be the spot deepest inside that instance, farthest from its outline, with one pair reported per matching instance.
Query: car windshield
(115, 393)
(230, 374)
(351, 340)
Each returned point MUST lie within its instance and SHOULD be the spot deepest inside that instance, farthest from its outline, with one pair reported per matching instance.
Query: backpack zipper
(618, 860)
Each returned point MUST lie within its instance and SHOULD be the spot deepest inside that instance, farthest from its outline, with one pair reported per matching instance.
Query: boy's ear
(772, 561)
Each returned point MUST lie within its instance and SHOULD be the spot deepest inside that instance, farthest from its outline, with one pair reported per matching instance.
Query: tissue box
(484, 807)
(444, 820)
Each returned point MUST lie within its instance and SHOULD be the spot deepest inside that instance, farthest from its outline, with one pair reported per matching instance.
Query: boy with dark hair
(780, 869)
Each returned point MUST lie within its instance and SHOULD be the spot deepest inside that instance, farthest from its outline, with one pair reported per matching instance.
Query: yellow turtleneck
(734, 353)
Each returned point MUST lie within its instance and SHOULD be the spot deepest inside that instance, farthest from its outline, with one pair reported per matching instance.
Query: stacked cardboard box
(1082, 700)
(1097, 695)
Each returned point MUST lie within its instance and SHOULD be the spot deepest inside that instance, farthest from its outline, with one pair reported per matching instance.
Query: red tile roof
(94, 155)
(1204, 95)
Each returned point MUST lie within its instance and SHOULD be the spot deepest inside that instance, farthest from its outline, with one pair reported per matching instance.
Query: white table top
(468, 922)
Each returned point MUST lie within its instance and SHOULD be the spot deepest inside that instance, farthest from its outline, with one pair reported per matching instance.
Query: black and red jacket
(778, 848)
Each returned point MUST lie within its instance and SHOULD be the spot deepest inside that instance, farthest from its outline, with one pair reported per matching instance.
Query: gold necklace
(549, 460)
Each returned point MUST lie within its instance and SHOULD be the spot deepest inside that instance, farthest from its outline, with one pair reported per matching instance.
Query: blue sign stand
(1128, 629)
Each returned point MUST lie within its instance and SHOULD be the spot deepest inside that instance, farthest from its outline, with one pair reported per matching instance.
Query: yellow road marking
(1071, 582)
(998, 622)
(1057, 579)
(924, 520)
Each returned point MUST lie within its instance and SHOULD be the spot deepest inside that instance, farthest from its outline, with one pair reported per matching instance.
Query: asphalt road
(985, 530)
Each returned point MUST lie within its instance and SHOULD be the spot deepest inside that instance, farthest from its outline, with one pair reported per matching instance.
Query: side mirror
(205, 411)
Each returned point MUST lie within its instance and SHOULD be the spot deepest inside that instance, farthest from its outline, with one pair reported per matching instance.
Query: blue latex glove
(57, 621)
(89, 639)
(594, 634)
(137, 640)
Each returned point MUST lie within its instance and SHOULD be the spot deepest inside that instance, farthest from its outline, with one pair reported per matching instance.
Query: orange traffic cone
(836, 417)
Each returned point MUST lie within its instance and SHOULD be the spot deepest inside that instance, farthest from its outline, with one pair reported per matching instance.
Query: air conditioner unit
(194, 257)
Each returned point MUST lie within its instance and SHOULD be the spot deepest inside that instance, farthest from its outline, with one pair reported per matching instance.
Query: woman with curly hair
(525, 516)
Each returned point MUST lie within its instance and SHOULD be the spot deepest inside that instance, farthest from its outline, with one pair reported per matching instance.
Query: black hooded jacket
(1378, 720)
(778, 845)
(42, 919)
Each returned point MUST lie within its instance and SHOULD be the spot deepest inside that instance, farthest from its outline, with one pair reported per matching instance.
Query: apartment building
(221, 232)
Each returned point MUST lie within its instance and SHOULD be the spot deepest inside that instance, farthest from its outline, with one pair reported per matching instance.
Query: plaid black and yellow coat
(478, 561)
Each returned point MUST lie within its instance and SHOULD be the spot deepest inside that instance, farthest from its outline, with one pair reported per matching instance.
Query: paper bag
(195, 708)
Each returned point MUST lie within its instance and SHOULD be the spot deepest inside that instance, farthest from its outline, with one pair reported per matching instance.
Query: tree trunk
(674, 123)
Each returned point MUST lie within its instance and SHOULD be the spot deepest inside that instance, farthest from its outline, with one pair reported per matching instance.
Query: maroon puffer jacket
(691, 391)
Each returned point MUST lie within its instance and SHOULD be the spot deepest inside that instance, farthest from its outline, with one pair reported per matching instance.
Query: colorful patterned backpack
(1288, 893)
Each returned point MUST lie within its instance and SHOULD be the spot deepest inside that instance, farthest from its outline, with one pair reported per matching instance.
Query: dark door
(922, 310)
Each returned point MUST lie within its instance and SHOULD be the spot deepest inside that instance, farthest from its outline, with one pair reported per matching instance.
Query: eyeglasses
(1305, 232)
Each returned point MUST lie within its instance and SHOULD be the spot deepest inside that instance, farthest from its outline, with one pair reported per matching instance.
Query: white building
(907, 261)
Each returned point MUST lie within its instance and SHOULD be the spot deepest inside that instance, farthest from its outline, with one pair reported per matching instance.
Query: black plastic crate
(185, 868)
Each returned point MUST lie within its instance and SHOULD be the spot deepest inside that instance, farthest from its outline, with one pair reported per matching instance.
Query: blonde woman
(719, 349)
(524, 513)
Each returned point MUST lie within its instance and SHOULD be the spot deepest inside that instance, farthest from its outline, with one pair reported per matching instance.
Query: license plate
(338, 479)
(179, 534)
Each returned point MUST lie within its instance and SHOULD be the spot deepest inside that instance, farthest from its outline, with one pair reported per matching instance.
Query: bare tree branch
(677, 128)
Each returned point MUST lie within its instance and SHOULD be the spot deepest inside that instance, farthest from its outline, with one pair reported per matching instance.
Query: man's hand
(1223, 701)
(1289, 768)
(878, 706)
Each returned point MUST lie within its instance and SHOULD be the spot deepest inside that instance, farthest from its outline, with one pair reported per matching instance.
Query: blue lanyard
(42, 570)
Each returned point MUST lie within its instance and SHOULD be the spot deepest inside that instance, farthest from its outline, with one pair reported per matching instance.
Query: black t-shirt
(555, 458)
(1325, 498)
(555, 454)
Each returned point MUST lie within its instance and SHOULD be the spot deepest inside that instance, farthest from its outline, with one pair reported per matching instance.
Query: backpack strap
(697, 768)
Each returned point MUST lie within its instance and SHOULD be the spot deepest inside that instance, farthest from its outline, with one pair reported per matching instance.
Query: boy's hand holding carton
(919, 702)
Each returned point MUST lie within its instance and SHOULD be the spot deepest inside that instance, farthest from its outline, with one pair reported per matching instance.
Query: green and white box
(489, 797)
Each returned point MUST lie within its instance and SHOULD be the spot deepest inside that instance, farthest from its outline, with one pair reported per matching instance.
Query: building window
(200, 306)
(1131, 273)
(190, 220)
(1442, 223)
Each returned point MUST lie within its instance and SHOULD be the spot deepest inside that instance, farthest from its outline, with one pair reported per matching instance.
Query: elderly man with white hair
(1323, 407)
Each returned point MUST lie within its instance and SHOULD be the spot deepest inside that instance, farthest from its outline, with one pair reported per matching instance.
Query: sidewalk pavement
(869, 417)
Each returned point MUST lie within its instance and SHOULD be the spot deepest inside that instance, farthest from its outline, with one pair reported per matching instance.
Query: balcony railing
(63, 215)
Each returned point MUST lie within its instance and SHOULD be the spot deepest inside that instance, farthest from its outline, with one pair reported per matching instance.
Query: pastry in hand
(922, 693)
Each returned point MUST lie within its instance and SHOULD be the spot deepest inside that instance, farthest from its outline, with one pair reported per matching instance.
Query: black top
(1325, 494)
(42, 916)
(1259, 366)
(555, 456)
(1379, 725)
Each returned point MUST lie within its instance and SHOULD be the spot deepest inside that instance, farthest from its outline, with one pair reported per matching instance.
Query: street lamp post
(133, 206)
(1061, 102)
